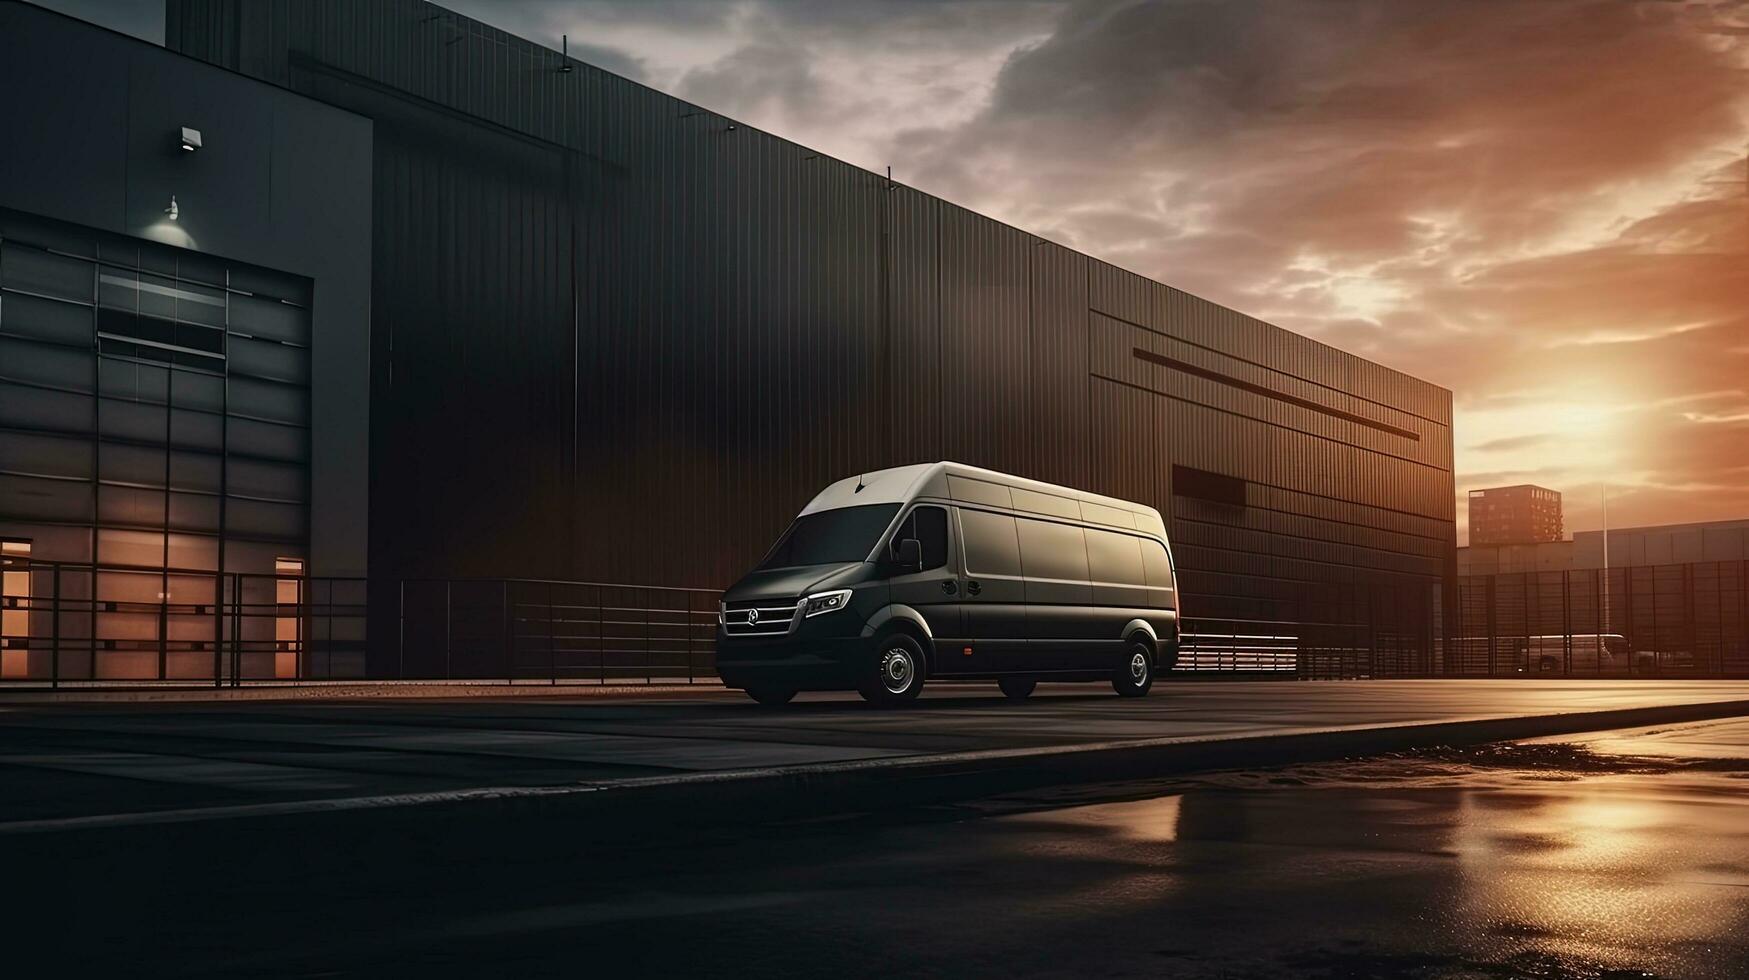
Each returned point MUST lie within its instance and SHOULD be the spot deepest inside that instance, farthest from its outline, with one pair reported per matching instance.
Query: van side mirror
(908, 554)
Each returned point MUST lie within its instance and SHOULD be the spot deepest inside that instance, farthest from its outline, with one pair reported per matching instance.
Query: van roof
(948, 480)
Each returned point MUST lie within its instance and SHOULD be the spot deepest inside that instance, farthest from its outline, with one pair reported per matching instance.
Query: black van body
(948, 571)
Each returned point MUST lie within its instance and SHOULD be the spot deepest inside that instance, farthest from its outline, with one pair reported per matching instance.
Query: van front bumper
(806, 664)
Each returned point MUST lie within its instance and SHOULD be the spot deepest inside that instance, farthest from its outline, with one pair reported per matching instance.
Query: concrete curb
(719, 799)
(341, 693)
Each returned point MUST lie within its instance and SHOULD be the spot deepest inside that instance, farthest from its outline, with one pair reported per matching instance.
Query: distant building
(1514, 515)
(1668, 544)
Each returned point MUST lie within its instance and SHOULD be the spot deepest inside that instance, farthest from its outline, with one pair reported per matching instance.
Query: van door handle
(973, 588)
(948, 586)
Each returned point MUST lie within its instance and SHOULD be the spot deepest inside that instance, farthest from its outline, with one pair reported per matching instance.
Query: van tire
(1017, 688)
(1135, 673)
(771, 696)
(894, 675)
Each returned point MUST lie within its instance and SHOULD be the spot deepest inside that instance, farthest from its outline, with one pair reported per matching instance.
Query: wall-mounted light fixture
(190, 139)
(173, 212)
(564, 54)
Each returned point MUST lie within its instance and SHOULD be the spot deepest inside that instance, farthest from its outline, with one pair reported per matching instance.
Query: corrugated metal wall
(622, 337)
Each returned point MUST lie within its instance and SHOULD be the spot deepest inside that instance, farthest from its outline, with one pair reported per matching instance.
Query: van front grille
(758, 618)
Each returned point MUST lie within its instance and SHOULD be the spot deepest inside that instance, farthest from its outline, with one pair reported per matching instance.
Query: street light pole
(1603, 492)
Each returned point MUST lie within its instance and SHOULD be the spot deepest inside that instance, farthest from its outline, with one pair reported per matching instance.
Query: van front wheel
(1135, 673)
(895, 675)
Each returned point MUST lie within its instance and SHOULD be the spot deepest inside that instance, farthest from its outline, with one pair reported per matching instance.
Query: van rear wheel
(895, 675)
(1135, 673)
(771, 696)
(1017, 688)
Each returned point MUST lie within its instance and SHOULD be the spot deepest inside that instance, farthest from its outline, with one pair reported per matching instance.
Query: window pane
(269, 319)
(45, 319)
(41, 455)
(269, 400)
(197, 430)
(26, 498)
(130, 505)
(253, 518)
(269, 360)
(269, 440)
(1115, 558)
(831, 536)
(252, 478)
(38, 408)
(43, 272)
(928, 525)
(1052, 551)
(130, 420)
(130, 464)
(192, 389)
(45, 364)
(991, 545)
(133, 381)
(194, 512)
(194, 471)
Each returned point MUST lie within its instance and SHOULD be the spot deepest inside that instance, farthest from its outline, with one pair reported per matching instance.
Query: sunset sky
(1540, 204)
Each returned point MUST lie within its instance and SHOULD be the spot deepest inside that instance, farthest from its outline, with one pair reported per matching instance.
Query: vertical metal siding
(619, 336)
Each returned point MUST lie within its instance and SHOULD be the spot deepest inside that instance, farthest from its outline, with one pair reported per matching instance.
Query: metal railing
(67, 622)
(555, 631)
(1686, 620)
(70, 623)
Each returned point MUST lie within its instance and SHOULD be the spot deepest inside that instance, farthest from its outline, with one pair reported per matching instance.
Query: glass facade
(154, 427)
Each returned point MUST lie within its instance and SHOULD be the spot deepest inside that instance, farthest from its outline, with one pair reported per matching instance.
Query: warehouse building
(430, 300)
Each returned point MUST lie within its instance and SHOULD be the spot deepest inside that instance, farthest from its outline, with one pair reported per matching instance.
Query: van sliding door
(1061, 623)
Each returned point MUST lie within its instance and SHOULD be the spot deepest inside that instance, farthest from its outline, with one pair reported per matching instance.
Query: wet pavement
(60, 761)
(1616, 855)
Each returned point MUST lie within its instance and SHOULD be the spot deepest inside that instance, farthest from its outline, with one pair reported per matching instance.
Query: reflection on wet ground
(1617, 856)
(1621, 854)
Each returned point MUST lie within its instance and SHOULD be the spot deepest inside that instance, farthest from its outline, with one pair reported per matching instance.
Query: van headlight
(722, 610)
(825, 602)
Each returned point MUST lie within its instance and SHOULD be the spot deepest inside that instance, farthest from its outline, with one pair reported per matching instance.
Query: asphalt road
(61, 761)
(1613, 856)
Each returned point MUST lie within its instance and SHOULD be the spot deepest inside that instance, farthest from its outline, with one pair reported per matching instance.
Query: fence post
(689, 629)
(401, 640)
(1566, 625)
(600, 639)
(552, 647)
(55, 629)
(509, 638)
(647, 664)
(1488, 597)
(448, 638)
(218, 629)
(237, 629)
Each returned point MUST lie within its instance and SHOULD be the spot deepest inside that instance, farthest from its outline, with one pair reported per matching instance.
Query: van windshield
(831, 536)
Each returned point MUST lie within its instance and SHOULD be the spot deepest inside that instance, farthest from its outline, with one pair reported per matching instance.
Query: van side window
(1158, 568)
(991, 547)
(929, 526)
(1052, 551)
(1115, 558)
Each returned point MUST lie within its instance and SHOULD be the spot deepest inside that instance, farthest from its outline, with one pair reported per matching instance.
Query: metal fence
(558, 632)
(1689, 620)
(67, 623)
(63, 623)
